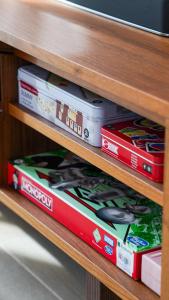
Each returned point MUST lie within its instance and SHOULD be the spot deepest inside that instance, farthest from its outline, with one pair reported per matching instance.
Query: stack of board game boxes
(120, 133)
(118, 222)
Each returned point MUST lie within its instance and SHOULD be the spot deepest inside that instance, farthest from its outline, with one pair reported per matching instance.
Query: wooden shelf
(118, 62)
(123, 64)
(94, 155)
(94, 263)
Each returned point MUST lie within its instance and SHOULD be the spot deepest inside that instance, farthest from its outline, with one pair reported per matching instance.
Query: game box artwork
(139, 144)
(115, 220)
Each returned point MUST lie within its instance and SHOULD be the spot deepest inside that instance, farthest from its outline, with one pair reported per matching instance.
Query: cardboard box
(151, 270)
(139, 144)
(112, 218)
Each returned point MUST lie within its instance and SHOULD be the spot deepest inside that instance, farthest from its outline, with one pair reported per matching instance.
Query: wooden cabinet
(125, 65)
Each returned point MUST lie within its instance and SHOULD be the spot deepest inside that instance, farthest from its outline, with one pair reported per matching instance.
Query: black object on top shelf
(151, 15)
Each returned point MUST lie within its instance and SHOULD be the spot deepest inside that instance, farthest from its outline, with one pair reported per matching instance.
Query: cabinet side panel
(95, 290)
(17, 139)
(165, 252)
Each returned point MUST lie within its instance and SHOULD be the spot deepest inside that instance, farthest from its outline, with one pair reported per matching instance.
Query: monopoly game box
(115, 220)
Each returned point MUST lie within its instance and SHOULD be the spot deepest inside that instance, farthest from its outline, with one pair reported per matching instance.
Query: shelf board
(119, 62)
(116, 280)
(93, 155)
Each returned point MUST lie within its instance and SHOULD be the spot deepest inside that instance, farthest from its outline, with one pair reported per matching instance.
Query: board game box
(67, 105)
(111, 217)
(139, 144)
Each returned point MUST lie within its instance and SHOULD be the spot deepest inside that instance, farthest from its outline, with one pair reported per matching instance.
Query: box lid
(154, 258)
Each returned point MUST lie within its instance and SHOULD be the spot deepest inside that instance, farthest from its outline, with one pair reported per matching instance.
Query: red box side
(73, 220)
(138, 262)
(132, 159)
(69, 217)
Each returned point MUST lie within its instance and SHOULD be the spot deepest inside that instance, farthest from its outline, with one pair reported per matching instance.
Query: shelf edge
(93, 155)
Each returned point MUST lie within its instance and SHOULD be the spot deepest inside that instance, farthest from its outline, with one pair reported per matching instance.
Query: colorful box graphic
(112, 218)
(139, 144)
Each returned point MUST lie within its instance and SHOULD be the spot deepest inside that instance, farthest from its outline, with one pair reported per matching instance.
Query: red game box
(112, 218)
(139, 144)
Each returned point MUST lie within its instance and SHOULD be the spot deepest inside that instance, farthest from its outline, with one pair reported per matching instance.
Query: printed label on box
(70, 117)
(97, 235)
(45, 105)
(125, 259)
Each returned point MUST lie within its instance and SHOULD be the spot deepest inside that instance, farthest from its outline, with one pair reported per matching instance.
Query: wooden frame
(123, 64)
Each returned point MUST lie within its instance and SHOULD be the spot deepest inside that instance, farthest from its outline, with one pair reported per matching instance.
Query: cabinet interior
(18, 139)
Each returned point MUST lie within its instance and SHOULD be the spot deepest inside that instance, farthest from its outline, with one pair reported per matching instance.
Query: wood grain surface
(95, 290)
(94, 155)
(121, 63)
(165, 252)
(17, 138)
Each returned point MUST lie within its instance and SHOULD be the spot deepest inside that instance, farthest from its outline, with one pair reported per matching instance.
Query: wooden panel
(119, 62)
(30, 59)
(17, 138)
(4, 48)
(107, 295)
(95, 290)
(8, 66)
(112, 277)
(8, 73)
(165, 252)
(1, 143)
(94, 155)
